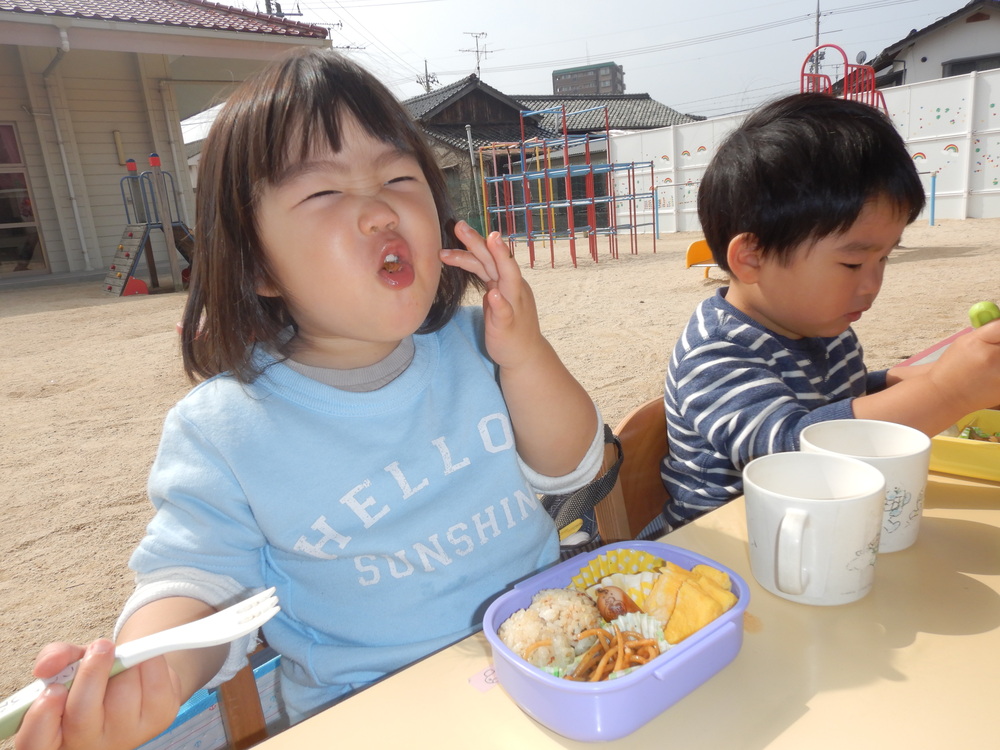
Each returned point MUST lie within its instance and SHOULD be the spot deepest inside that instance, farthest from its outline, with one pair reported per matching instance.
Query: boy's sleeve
(875, 381)
(729, 396)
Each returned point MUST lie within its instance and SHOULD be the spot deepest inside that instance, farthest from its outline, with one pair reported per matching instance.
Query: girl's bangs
(306, 123)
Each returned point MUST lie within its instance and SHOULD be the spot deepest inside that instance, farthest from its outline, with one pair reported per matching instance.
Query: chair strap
(568, 508)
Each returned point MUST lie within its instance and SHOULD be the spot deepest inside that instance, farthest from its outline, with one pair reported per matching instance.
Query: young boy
(802, 205)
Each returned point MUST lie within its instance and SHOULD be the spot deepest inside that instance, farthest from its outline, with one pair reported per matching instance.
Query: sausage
(613, 602)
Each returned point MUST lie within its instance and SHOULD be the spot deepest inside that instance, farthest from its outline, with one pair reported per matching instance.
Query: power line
(635, 51)
(391, 58)
(689, 42)
(372, 39)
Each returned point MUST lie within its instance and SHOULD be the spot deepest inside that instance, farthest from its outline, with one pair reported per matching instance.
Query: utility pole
(816, 38)
(427, 80)
(480, 53)
(817, 56)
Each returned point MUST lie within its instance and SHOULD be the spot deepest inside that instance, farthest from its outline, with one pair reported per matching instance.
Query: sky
(703, 58)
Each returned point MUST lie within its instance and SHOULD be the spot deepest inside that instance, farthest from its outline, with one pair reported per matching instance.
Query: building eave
(32, 30)
(885, 58)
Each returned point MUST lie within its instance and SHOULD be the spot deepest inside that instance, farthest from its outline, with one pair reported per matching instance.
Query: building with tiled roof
(86, 85)
(471, 121)
(496, 117)
(491, 115)
(961, 42)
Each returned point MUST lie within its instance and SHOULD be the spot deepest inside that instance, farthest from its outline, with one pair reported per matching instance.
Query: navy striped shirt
(735, 391)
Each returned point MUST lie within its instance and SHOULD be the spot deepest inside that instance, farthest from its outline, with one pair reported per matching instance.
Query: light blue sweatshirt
(387, 520)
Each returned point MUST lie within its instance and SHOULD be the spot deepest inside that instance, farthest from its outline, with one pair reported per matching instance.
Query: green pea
(982, 313)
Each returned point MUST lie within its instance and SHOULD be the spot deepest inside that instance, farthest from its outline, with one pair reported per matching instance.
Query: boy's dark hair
(802, 168)
(301, 96)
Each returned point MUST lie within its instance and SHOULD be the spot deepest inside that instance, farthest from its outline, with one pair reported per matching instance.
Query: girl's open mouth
(396, 272)
(392, 264)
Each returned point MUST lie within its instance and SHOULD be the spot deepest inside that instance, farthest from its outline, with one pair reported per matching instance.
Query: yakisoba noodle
(613, 653)
(534, 647)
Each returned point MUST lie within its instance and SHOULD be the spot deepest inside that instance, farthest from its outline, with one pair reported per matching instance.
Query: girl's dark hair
(301, 96)
(800, 169)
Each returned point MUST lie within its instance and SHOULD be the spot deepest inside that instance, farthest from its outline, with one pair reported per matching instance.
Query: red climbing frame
(530, 165)
(858, 80)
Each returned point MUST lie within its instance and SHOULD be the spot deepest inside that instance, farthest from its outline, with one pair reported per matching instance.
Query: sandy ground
(86, 380)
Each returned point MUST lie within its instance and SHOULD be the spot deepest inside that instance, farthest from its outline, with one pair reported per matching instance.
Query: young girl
(360, 441)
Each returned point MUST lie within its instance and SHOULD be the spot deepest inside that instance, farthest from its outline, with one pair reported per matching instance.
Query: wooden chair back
(241, 711)
(639, 494)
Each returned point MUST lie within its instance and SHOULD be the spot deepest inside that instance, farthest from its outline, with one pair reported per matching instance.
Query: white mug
(901, 453)
(813, 522)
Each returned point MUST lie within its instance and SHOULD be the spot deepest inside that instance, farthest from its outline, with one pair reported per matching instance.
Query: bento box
(614, 708)
(969, 458)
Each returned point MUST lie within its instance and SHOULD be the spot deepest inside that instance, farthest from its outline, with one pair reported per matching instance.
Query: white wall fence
(951, 127)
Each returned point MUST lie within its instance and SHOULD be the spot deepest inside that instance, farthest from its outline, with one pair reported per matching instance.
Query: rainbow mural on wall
(919, 155)
(951, 148)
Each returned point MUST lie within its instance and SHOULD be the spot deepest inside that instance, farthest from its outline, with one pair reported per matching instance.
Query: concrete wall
(951, 127)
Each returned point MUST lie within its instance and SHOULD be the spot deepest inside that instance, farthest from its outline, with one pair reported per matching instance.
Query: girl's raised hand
(554, 419)
(98, 713)
(512, 330)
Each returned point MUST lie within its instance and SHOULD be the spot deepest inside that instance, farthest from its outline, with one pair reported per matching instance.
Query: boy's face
(825, 286)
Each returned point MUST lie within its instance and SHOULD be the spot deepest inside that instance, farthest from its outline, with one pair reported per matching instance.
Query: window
(961, 67)
(9, 152)
(20, 248)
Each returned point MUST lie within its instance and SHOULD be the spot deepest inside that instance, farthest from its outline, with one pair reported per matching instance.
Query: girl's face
(353, 240)
(826, 286)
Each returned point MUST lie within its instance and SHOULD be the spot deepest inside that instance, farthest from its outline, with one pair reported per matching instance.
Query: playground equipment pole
(165, 221)
(933, 191)
(139, 216)
(472, 163)
(135, 194)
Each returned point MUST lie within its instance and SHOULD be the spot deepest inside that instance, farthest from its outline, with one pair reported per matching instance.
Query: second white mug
(901, 453)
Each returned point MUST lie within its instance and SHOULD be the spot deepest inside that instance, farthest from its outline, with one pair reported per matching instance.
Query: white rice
(554, 615)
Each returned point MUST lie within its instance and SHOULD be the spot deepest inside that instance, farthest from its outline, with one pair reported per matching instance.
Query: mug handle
(788, 562)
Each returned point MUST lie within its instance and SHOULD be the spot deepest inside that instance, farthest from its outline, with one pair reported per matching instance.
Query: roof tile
(625, 112)
(197, 14)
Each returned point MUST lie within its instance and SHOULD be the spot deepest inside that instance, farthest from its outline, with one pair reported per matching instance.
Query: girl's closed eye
(405, 180)
(321, 193)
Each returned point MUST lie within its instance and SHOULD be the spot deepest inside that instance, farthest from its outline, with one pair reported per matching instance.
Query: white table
(915, 664)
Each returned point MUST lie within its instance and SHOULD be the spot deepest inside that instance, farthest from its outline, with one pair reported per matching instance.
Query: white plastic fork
(222, 627)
